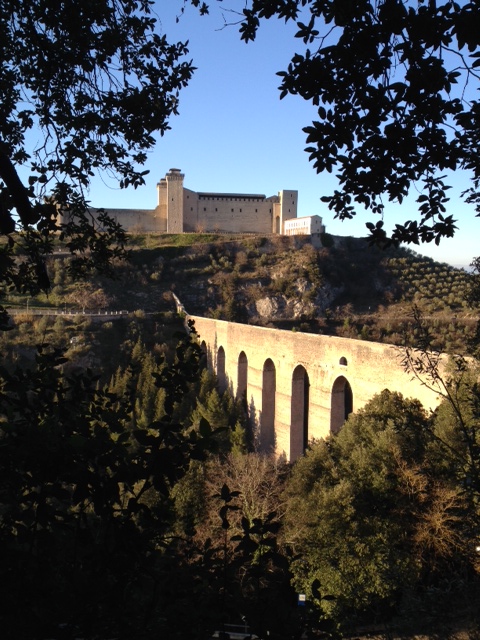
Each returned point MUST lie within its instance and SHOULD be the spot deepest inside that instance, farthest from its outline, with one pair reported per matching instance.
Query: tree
(456, 428)
(86, 504)
(239, 526)
(94, 82)
(378, 526)
(223, 413)
(395, 85)
(89, 296)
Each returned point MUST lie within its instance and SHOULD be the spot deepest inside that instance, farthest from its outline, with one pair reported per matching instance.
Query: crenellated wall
(300, 386)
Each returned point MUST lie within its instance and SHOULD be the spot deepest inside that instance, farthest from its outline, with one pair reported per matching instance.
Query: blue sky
(234, 134)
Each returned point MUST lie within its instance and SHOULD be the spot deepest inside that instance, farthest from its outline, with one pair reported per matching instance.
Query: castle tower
(174, 201)
(161, 210)
(288, 209)
(162, 192)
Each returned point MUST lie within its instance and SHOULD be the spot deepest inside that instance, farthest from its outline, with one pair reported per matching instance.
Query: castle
(182, 210)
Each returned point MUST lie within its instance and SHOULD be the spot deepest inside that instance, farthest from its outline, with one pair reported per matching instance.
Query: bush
(327, 240)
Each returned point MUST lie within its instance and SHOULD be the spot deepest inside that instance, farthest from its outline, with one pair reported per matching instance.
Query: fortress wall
(190, 211)
(137, 220)
(371, 367)
(237, 214)
(214, 212)
(277, 226)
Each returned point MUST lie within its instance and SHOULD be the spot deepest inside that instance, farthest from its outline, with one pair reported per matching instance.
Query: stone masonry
(299, 386)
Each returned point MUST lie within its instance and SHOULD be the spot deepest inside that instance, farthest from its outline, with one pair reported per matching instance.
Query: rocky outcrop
(326, 296)
(282, 308)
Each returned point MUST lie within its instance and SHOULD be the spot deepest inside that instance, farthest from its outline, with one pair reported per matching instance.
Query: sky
(234, 134)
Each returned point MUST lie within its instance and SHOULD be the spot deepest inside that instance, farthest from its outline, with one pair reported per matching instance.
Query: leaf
(78, 441)
(204, 428)
(144, 438)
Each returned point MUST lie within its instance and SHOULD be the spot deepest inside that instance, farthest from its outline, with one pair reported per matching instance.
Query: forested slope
(122, 466)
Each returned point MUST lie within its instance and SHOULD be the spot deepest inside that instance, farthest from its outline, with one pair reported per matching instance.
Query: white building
(304, 226)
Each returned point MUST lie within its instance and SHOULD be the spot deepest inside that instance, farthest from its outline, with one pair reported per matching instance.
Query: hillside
(346, 288)
(399, 496)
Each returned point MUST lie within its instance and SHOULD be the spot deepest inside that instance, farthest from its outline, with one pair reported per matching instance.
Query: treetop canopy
(84, 87)
(394, 82)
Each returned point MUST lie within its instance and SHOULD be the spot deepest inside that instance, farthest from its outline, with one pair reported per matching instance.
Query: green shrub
(327, 240)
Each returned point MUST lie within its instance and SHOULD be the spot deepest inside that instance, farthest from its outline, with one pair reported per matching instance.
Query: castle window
(343, 361)
(256, 210)
(204, 208)
(216, 209)
(232, 210)
(240, 211)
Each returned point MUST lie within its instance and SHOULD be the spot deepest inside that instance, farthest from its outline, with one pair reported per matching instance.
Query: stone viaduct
(300, 386)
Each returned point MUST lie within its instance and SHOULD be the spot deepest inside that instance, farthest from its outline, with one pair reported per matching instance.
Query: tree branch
(18, 194)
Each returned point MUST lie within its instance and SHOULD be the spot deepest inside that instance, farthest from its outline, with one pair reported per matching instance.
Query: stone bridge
(299, 386)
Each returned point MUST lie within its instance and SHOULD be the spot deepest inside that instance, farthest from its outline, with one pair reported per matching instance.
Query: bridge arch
(242, 376)
(300, 401)
(221, 374)
(267, 418)
(342, 403)
(204, 359)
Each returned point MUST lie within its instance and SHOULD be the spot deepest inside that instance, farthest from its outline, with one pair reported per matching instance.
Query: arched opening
(221, 377)
(204, 357)
(343, 361)
(267, 419)
(342, 403)
(299, 413)
(242, 377)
